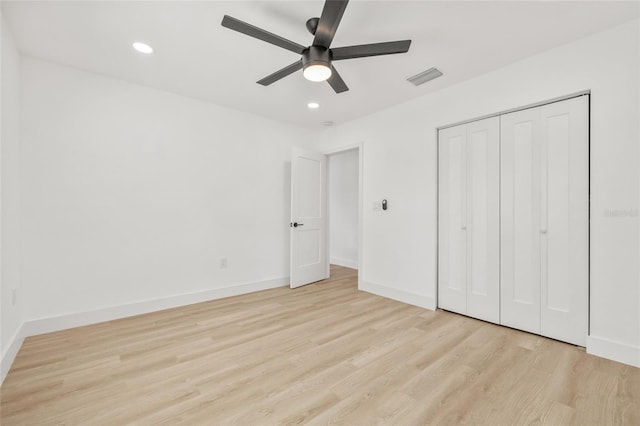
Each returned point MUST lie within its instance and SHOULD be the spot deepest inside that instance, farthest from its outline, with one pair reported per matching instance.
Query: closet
(513, 219)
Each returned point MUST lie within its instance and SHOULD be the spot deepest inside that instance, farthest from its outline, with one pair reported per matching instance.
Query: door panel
(565, 242)
(309, 262)
(309, 185)
(483, 219)
(457, 189)
(309, 247)
(556, 213)
(451, 235)
(520, 216)
(469, 222)
(545, 221)
(477, 213)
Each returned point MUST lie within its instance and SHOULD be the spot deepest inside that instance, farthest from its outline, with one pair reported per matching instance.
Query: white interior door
(483, 219)
(309, 262)
(452, 235)
(520, 220)
(469, 219)
(545, 220)
(565, 220)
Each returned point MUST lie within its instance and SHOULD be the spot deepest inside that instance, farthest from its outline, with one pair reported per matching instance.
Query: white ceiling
(197, 57)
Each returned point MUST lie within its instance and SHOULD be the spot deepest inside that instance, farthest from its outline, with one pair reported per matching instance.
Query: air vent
(425, 76)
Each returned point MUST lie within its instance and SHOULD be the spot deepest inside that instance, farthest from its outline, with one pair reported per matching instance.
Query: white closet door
(469, 221)
(544, 220)
(520, 220)
(565, 220)
(483, 219)
(452, 253)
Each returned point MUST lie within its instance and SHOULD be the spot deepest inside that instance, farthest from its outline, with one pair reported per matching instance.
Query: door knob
(296, 224)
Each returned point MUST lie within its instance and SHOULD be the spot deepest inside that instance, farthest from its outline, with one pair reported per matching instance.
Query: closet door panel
(520, 217)
(452, 271)
(483, 219)
(565, 215)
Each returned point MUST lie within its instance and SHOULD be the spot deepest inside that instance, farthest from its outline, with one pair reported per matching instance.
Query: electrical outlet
(223, 263)
(14, 297)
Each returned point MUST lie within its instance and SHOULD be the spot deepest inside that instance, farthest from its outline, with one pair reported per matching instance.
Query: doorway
(344, 209)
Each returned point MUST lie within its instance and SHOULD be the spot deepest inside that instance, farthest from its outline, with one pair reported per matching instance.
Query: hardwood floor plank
(323, 353)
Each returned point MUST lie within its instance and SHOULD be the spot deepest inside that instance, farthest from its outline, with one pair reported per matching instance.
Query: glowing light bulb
(317, 72)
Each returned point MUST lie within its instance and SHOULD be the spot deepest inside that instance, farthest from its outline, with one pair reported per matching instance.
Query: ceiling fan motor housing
(316, 55)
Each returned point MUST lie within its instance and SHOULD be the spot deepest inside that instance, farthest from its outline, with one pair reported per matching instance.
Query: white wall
(343, 208)
(10, 314)
(133, 194)
(399, 248)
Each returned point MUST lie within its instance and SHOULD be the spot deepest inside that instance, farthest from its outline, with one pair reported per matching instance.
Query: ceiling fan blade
(329, 21)
(336, 82)
(259, 33)
(375, 49)
(289, 69)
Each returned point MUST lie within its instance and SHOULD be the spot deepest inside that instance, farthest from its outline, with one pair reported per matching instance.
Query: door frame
(338, 150)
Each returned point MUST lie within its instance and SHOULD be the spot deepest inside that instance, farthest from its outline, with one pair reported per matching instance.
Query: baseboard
(347, 263)
(616, 351)
(63, 322)
(399, 295)
(10, 353)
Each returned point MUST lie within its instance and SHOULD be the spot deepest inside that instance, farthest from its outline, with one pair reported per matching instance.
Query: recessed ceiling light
(313, 105)
(143, 48)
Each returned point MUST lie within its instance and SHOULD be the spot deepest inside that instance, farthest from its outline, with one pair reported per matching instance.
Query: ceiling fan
(317, 59)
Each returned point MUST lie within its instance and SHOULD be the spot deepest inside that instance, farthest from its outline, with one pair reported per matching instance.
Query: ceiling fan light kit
(317, 72)
(316, 60)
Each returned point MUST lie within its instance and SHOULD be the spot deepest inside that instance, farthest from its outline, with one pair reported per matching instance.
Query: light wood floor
(324, 353)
